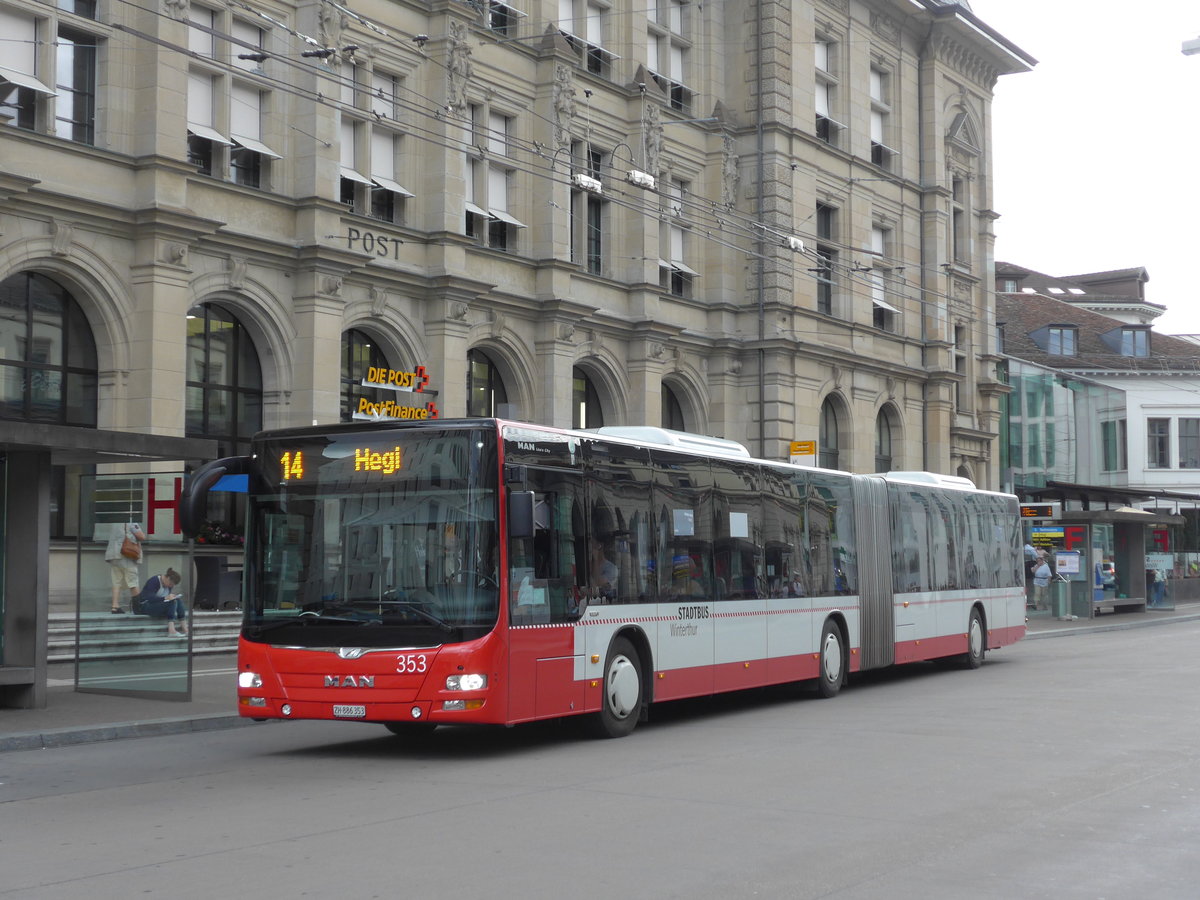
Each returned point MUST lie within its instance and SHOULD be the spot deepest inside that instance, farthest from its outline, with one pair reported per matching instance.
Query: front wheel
(622, 702)
(833, 661)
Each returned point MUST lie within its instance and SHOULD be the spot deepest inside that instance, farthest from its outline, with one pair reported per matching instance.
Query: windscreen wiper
(308, 617)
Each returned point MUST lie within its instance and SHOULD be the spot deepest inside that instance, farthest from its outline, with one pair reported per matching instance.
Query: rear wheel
(833, 660)
(623, 689)
(976, 642)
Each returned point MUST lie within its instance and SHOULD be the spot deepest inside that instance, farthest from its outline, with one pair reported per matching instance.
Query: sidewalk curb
(67, 737)
(1068, 630)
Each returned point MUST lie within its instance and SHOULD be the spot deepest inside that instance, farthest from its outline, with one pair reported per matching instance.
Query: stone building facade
(769, 221)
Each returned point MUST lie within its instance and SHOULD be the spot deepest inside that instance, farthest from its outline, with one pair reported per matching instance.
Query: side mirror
(520, 514)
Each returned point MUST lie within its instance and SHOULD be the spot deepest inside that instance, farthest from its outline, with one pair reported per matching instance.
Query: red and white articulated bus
(437, 572)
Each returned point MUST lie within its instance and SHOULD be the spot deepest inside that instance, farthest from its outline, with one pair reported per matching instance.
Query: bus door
(740, 639)
(545, 596)
(683, 505)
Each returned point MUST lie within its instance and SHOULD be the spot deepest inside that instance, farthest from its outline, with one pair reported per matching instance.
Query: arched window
(585, 402)
(47, 354)
(885, 428)
(672, 411)
(224, 380)
(486, 395)
(831, 435)
(359, 353)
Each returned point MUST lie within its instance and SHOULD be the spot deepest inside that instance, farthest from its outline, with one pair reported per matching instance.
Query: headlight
(466, 682)
(249, 680)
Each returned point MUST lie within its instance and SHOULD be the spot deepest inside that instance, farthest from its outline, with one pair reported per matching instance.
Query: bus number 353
(411, 663)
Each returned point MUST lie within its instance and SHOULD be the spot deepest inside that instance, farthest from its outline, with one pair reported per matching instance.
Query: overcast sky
(1097, 150)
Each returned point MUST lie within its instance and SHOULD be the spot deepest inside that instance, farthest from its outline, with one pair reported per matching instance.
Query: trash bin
(1059, 600)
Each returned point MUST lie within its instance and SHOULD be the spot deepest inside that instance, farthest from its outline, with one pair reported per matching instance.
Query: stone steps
(105, 636)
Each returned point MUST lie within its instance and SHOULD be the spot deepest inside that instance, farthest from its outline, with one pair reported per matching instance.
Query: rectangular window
(881, 153)
(883, 313)
(1158, 443)
(667, 51)
(249, 158)
(825, 87)
(502, 18)
(1135, 342)
(84, 8)
(488, 216)
(20, 85)
(385, 91)
(674, 273)
(588, 209)
(826, 258)
(353, 182)
(595, 235)
(1061, 341)
(1189, 443)
(247, 46)
(75, 109)
(1112, 440)
(204, 141)
(387, 194)
(960, 246)
(200, 31)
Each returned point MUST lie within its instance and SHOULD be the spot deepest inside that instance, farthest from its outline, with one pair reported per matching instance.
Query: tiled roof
(1021, 315)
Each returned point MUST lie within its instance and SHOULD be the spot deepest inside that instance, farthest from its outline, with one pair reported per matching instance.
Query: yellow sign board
(803, 448)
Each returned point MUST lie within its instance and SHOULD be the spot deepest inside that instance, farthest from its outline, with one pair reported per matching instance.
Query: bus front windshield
(374, 538)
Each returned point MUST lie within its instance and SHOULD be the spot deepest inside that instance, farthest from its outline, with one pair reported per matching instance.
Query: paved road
(1063, 769)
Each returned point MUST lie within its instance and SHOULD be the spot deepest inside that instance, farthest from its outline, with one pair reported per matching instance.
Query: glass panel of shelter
(133, 652)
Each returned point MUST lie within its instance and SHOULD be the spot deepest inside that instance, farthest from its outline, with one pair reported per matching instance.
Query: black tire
(413, 730)
(832, 674)
(976, 641)
(623, 689)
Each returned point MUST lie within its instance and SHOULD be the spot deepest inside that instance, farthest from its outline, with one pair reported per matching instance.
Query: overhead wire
(705, 216)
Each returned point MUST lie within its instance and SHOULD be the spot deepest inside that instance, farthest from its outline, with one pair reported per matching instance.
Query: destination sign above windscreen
(385, 462)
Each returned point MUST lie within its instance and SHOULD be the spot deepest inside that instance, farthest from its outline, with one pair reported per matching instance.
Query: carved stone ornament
(378, 297)
(331, 22)
(176, 9)
(566, 332)
(459, 67)
(885, 27)
(652, 129)
(331, 285)
(564, 104)
(61, 236)
(174, 253)
(656, 350)
(729, 173)
(458, 311)
(237, 272)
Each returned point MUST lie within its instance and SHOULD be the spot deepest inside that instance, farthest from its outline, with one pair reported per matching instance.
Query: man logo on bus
(350, 681)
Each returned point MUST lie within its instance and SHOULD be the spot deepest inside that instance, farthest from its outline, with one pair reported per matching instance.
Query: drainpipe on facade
(760, 286)
(923, 52)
